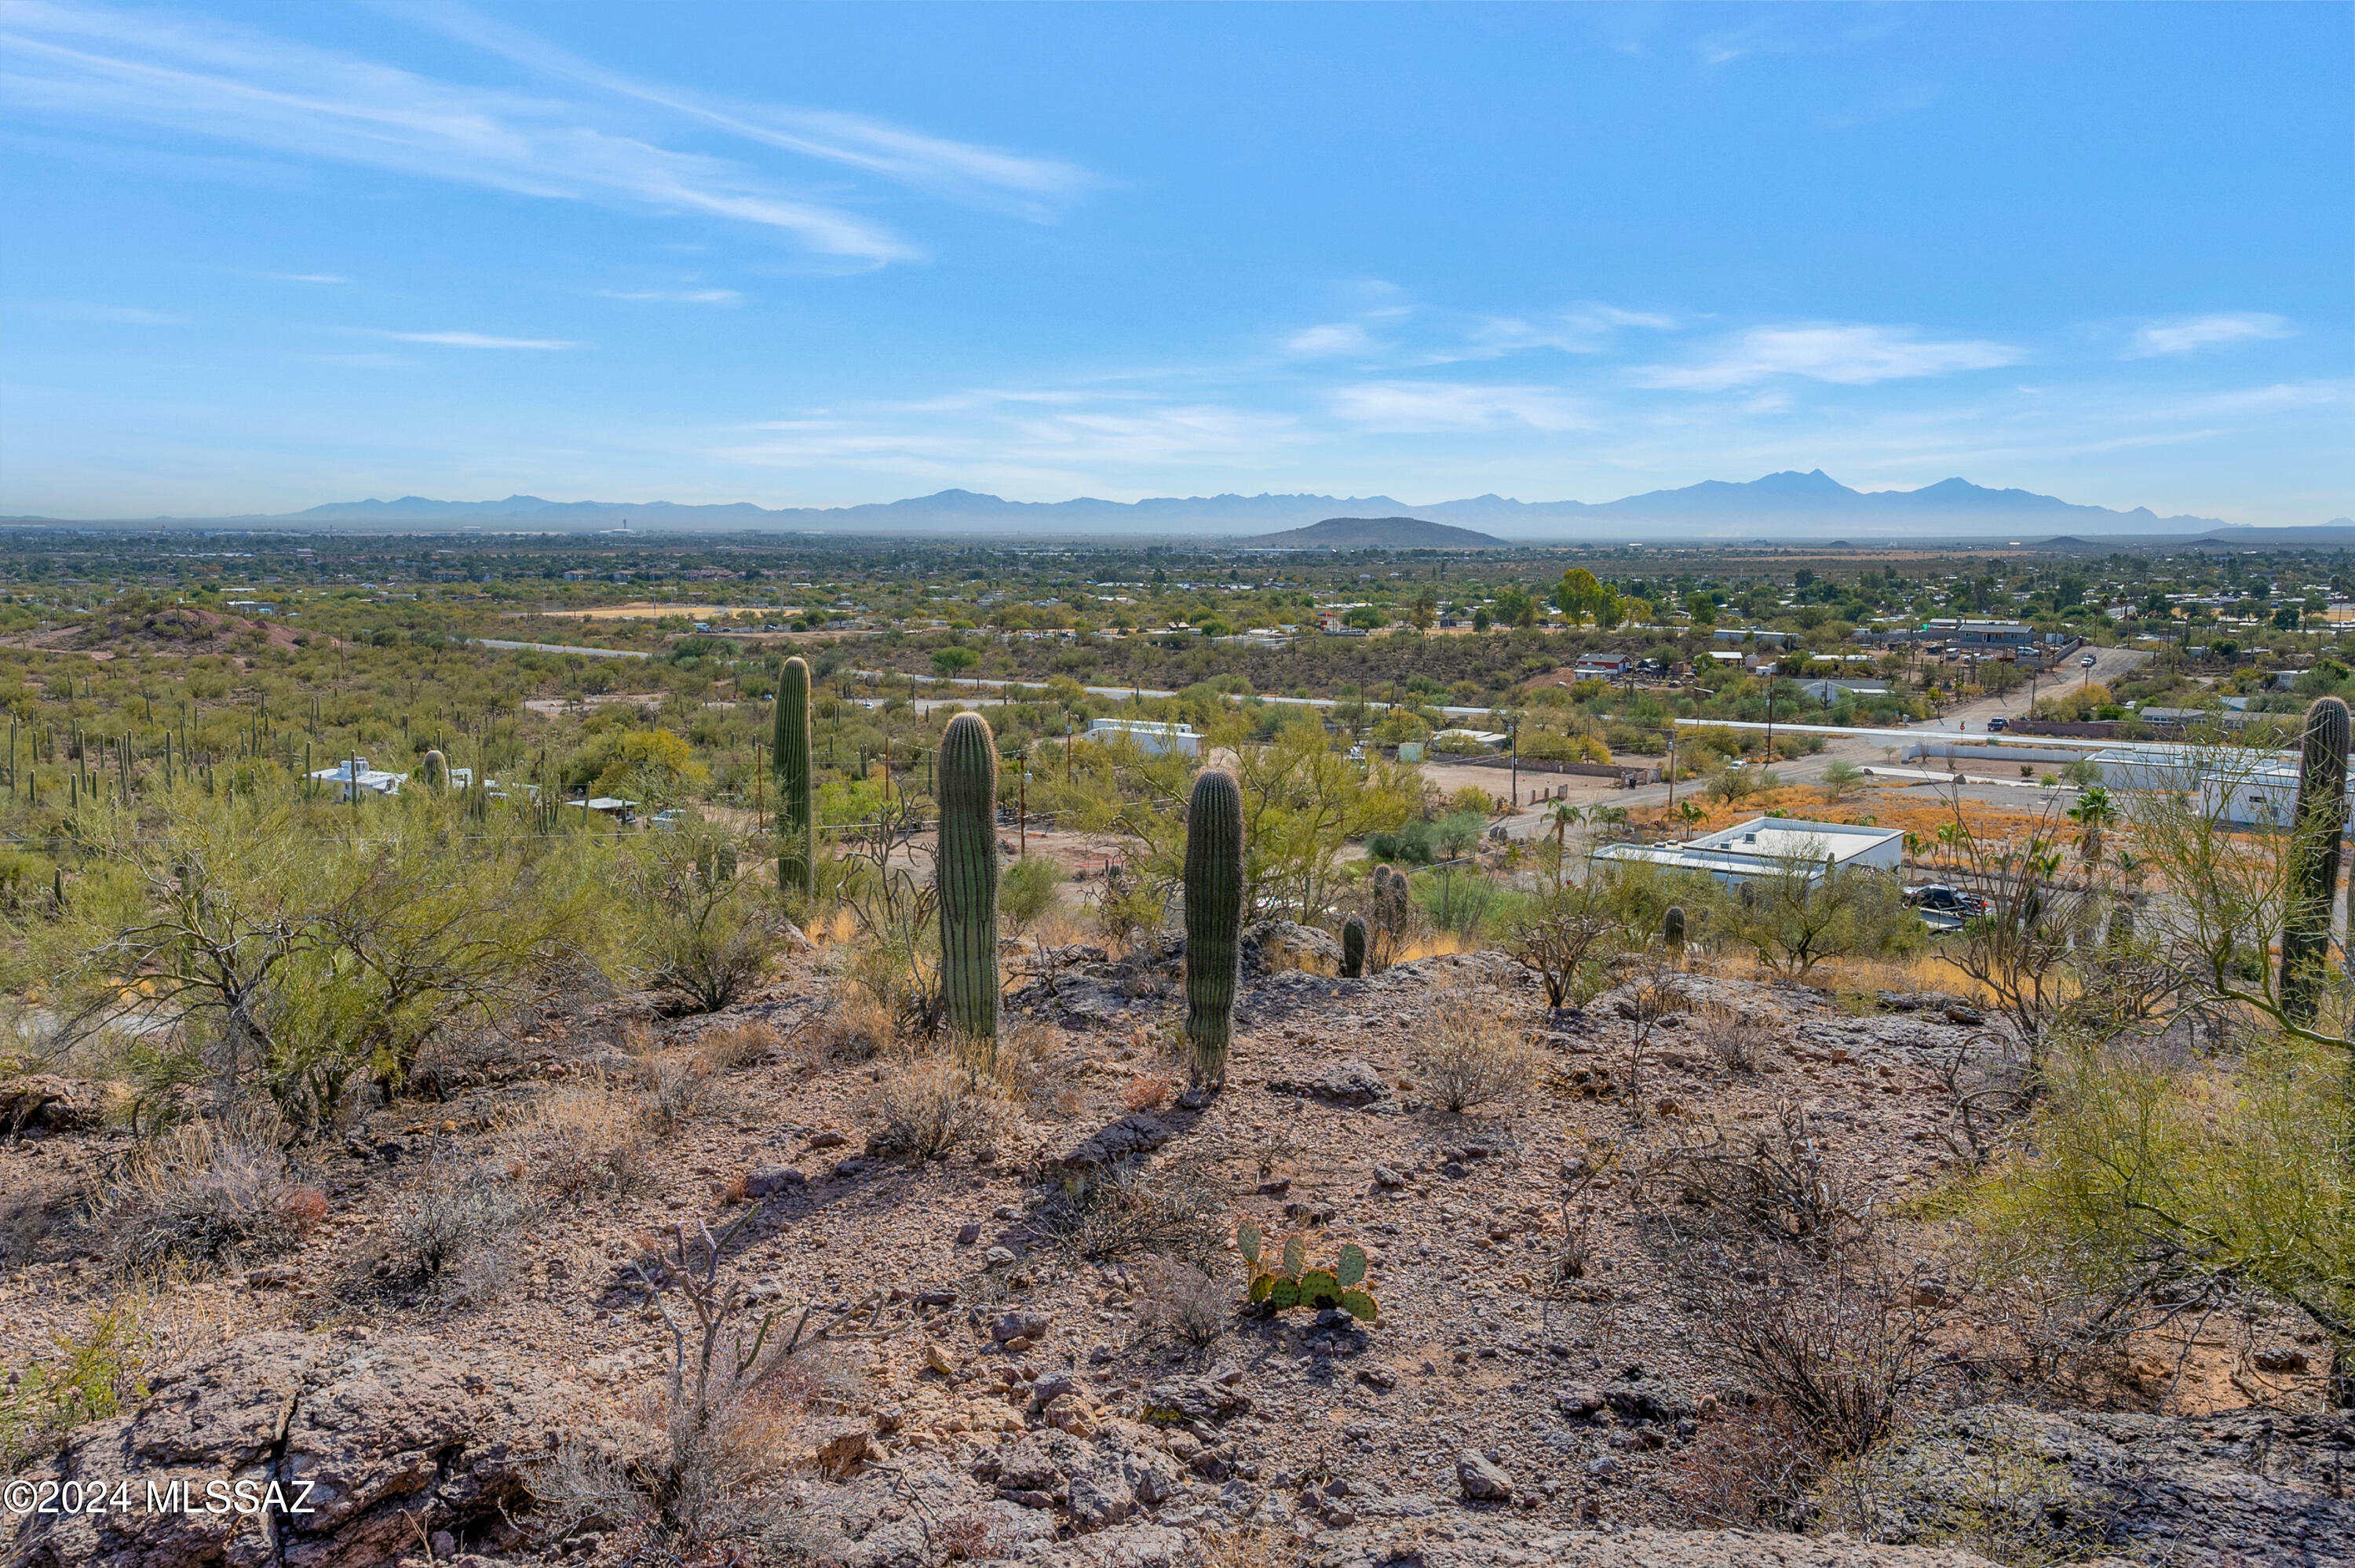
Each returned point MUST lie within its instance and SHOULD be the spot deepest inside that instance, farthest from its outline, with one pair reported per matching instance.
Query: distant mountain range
(1779, 506)
(1375, 534)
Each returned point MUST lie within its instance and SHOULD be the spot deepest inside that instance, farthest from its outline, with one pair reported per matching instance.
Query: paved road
(561, 648)
(2109, 663)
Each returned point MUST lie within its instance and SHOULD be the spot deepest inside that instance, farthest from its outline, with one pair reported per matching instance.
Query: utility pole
(1513, 733)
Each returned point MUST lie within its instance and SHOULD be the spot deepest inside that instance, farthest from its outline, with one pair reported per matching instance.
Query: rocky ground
(1537, 1388)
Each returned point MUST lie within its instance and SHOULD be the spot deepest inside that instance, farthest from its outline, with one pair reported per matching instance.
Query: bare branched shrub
(1841, 1346)
(1474, 1057)
(215, 1193)
(1777, 1184)
(928, 1106)
(1734, 1038)
(1172, 1211)
(1745, 1468)
(1183, 1303)
(732, 1407)
(583, 1140)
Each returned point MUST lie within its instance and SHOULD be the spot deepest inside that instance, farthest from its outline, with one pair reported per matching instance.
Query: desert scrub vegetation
(930, 1102)
(1474, 1055)
(210, 1193)
(457, 1233)
(582, 1140)
(1168, 1210)
(241, 948)
(87, 1376)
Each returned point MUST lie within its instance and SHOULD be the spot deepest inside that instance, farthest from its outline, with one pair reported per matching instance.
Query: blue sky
(265, 255)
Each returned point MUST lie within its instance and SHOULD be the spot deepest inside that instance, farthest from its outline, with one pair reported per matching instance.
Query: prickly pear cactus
(1353, 947)
(1291, 1280)
(1214, 919)
(966, 874)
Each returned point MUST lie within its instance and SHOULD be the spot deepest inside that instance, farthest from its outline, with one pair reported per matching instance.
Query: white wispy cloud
(476, 340)
(1589, 329)
(2183, 334)
(1411, 406)
(1037, 188)
(1848, 355)
(1333, 338)
(196, 78)
(676, 296)
(306, 278)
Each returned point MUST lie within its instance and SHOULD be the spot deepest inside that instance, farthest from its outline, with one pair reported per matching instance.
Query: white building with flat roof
(1771, 847)
(1149, 735)
(354, 775)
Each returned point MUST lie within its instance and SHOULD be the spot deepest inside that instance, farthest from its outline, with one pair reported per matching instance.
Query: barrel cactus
(796, 840)
(966, 875)
(2320, 829)
(1214, 918)
(1353, 947)
(435, 771)
(1672, 928)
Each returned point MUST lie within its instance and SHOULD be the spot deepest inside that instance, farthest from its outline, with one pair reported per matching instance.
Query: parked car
(2088, 660)
(1998, 722)
(1939, 899)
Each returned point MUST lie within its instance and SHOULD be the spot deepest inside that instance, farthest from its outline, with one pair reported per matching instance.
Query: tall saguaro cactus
(435, 770)
(966, 876)
(1214, 918)
(2319, 830)
(796, 823)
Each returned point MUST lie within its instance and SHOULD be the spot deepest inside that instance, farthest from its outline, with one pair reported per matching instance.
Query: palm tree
(1562, 815)
(2092, 812)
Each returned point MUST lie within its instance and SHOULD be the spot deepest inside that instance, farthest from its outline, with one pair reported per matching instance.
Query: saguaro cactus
(435, 771)
(966, 875)
(1214, 918)
(796, 824)
(1672, 928)
(2320, 828)
(1353, 947)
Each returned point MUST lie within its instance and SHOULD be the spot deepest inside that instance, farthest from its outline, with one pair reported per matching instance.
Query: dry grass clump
(858, 1027)
(1171, 1212)
(1735, 1038)
(929, 1105)
(215, 1193)
(1474, 1056)
(583, 1140)
(1778, 1184)
(1149, 1092)
(1183, 1303)
(732, 1050)
(680, 1086)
